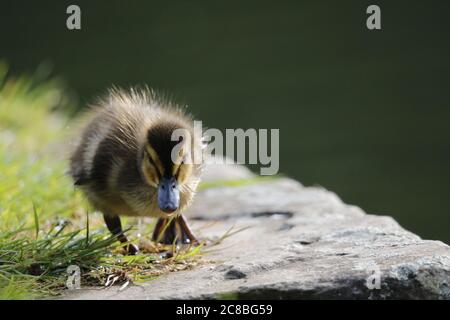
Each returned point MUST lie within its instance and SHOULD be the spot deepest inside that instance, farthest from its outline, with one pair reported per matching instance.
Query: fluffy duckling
(124, 163)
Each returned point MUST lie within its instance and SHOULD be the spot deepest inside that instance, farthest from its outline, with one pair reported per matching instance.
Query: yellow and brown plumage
(124, 164)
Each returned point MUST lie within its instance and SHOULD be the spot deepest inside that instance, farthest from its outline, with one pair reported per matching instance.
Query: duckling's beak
(168, 194)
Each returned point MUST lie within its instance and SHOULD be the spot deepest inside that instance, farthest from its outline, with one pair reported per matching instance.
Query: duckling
(123, 163)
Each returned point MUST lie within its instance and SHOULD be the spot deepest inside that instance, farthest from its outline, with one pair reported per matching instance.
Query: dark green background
(363, 113)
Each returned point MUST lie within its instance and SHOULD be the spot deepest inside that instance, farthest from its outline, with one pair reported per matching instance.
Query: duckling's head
(165, 165)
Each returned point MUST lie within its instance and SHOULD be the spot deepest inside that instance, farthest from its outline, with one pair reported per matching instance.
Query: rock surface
(298, 242)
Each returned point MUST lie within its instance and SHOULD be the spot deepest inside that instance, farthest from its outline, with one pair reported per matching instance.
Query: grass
(44, 225)
(237, 182)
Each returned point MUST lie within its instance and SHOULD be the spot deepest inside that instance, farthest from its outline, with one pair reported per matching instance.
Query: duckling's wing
(95, 129)
(78, 176)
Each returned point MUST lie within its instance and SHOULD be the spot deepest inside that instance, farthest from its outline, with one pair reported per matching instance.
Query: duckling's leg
(165, 231)
(168, 231)
(185, 230)
(159, 229)
(115, 226)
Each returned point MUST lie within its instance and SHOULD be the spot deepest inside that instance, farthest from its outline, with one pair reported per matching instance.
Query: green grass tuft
(237, 182)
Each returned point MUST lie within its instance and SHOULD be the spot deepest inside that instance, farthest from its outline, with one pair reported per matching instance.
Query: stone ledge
(300, 242)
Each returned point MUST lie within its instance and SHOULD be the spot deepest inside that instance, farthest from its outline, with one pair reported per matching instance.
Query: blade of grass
(87, 228)
(36, 220)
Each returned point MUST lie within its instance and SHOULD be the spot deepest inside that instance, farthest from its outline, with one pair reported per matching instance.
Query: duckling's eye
(152, 163)
(150, 171)
(177, 173)
(184, 172)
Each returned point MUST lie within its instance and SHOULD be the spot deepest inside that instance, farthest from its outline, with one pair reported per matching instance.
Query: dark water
(363, 113)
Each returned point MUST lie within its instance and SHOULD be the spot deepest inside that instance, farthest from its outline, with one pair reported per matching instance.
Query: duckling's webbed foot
(176, 230)
(115, 227)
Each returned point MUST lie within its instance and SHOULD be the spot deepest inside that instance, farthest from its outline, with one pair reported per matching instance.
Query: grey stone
(296, 242)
